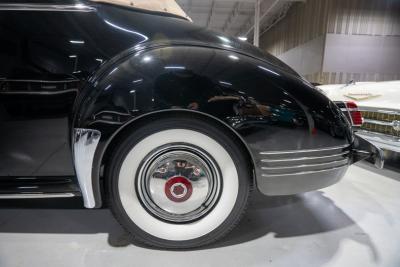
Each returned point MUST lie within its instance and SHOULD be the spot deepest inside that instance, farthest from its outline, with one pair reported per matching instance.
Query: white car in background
(379, 103)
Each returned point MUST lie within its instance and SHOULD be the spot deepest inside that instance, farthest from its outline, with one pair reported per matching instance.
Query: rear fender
(269, 109)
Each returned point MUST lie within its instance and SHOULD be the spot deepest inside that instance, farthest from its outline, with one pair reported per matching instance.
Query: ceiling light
(76, 41)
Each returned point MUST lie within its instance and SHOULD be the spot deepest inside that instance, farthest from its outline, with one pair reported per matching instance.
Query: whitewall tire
(178, 183)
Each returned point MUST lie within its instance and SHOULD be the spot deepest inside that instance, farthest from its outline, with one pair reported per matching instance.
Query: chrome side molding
(36, 195)
(305, 158)
(305, 172)
(47, 7)
(85, 142)
(323, 164)
(395, 124)
(40, 92)
(379, 110)
(303, 150)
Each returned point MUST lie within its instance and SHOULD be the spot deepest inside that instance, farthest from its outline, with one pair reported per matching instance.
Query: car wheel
(178, 183)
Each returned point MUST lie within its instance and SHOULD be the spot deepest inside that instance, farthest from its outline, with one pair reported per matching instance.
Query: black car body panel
(104, 67)
(268, 109)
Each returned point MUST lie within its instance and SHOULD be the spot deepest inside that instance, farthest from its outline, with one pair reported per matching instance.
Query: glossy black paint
(119, 64)
(269, 109)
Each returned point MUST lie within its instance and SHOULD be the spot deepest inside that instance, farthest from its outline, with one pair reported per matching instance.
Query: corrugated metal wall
(360, 57)
(302, 23)
(366, 17)
(314, 18)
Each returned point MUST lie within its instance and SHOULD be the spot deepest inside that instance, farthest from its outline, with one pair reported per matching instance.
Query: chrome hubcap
(178, 183)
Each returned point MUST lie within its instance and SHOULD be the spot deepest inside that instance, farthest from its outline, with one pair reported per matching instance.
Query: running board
(38, 187)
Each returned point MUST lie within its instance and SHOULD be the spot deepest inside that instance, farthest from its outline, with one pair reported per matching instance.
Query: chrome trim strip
(36, 195)
(349, 109)
(107, 122)
(38, 81)
(384, 123)
(382, 135)
(376, 154)
(303, 150)
(112, 112)
(379, 110)
(47, 7)
(387, 142)
(38, 92)
(305, 158)
(84, 146)
(306, 165)
(304, 173)
(349, 114)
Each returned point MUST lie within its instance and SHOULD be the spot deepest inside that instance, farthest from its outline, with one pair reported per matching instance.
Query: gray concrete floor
(353, 223)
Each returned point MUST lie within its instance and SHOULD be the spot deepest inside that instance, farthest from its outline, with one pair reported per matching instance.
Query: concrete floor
(353, 223)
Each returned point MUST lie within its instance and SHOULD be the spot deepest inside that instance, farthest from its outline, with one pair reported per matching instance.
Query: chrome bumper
(364, 149)
(383, 141)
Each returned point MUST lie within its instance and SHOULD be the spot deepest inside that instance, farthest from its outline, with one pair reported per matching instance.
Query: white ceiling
(234, 17)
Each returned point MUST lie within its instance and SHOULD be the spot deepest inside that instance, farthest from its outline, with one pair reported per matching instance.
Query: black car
(170, 124)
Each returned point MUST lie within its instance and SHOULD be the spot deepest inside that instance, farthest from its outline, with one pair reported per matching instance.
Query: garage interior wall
(335, 41)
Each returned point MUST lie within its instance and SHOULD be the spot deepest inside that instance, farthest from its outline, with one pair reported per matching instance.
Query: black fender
(266, 107)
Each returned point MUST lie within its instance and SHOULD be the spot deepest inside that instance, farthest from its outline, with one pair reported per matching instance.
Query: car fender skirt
(85, 142)
(289, 172)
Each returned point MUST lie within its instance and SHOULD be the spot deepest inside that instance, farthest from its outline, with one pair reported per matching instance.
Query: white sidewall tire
(169, 231)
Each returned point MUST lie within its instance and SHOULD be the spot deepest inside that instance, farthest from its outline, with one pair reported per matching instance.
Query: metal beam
(256, 23)
(263, 15)
(243, 1)
(210, 14)
(190, 5)
(231, 17)
(275, 19)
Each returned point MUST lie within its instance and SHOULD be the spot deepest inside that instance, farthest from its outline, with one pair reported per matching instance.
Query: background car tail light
(355, 113)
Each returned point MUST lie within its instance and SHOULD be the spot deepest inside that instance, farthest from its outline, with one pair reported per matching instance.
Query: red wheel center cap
(178, 189)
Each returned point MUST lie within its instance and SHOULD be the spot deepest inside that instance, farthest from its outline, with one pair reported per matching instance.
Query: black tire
(118, 196)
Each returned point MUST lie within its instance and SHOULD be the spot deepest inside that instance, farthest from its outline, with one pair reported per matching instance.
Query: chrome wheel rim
(178, 183)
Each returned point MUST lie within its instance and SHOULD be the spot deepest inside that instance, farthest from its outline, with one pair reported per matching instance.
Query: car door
(43, 61)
